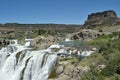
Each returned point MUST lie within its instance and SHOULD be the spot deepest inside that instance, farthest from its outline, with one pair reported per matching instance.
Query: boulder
(69, 69)
(59, 70)
(100, 67)
(64, 63)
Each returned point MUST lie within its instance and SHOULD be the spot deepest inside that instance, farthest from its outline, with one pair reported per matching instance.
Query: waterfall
(18, 62)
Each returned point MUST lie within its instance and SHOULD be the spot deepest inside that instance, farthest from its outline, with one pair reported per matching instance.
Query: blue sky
(53, 11)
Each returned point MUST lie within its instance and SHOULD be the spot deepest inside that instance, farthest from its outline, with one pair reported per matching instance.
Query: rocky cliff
(85, 34)
(47, 27)
(108, 18)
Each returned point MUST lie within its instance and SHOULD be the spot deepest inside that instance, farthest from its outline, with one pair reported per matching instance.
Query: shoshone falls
(20, 62)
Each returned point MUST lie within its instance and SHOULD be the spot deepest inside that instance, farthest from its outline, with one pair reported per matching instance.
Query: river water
(19, 62)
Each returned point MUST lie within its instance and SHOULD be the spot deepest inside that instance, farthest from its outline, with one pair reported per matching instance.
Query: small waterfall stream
(18, 62)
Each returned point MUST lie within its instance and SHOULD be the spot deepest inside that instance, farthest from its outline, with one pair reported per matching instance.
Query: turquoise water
(75, 43)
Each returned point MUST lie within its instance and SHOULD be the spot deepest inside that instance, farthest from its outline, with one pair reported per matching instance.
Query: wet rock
(94, 49)
(59, 70)
(64, 63)
(75, 51)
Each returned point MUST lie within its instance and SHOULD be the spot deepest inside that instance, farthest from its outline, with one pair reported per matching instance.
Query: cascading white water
(21, 63)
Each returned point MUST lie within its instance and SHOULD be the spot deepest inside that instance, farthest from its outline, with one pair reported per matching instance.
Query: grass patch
(93, 60)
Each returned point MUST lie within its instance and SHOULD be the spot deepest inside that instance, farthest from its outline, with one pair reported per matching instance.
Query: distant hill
(29, 27)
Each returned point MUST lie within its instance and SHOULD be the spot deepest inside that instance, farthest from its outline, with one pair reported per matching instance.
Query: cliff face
(102, 18)
(85, 34)
(102, 15)
(47, 27)
(91, 28)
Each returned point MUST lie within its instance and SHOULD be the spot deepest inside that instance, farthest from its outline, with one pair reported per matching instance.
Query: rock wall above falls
(102, 18)
(100, 15)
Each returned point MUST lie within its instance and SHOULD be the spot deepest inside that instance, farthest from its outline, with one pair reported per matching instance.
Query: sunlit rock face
(100, 15)
(17, 62)
(107, 18)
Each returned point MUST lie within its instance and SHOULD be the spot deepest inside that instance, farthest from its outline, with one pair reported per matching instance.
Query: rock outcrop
(100, 15)
(72, 72)
(43, 42)
(84, 34)
(102, 18)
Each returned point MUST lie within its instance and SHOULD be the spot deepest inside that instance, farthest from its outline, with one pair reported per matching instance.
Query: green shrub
(110, 53)
(93, 60)
(101, 41)
(93, 74)
(113, 65)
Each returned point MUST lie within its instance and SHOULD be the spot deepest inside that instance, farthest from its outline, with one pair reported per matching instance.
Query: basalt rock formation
(84, 34)
(47, 27)
(105, 18)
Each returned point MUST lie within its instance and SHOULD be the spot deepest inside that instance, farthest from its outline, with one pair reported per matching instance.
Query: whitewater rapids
(19, 62)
